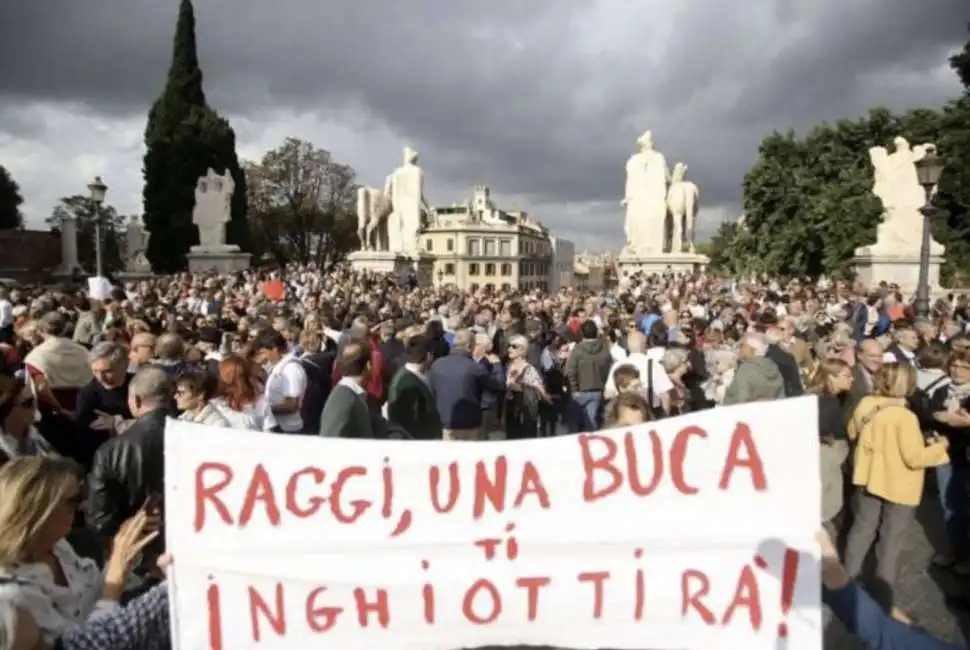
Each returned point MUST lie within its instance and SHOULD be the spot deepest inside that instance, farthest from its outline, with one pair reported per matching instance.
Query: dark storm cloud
(541, 98)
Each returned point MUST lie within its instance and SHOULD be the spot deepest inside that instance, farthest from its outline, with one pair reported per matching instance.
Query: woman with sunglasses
(39, 498)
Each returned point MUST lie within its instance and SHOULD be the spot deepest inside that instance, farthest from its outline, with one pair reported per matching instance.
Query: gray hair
(151, 385)
(519, 341)
(757, 342)
(115, 353)
(483, 339)
(727, 356)
(52, 324)
(674, 358)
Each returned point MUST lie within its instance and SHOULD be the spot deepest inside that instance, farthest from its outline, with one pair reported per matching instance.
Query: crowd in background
(86, 387)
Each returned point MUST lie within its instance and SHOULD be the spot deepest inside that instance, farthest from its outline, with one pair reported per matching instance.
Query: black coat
(789, 370)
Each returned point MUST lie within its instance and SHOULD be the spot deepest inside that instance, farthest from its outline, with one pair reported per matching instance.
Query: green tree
(184, 138)
(10, 201)
(81, 210)
(302, 204)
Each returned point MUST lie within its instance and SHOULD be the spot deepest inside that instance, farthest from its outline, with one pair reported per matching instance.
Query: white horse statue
(682, 201)
(373, 208)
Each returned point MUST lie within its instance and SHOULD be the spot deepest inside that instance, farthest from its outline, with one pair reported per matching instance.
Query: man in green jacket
(410, 402)
(346, 413)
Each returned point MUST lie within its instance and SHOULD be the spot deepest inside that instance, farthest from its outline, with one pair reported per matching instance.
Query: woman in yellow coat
(889, 465)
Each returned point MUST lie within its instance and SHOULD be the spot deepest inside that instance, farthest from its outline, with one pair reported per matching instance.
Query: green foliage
(10, 201)
(184, 138)
(808, 200)
(81, 210)
(302, 205)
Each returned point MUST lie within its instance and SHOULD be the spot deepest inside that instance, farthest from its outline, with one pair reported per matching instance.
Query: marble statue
(682, 201)
(896, 185)
(136, 245)
(645, 198)
(213, 206)
(409, 209)
(373, 209)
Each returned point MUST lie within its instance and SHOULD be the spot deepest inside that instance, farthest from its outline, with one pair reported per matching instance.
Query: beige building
(475, 244)
(593, 272)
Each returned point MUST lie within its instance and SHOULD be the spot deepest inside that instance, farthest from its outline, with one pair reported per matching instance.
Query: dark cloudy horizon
(540, 99)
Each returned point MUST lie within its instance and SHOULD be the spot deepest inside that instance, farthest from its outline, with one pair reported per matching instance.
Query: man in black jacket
(129, 469)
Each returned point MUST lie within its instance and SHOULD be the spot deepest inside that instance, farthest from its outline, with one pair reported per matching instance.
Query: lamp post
(928, 172)
(96, 191)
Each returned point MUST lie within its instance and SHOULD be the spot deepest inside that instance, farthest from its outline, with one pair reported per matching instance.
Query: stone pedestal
(874, 266)
(402, 266)
(221, 259)
(659, 263)
(69, 260)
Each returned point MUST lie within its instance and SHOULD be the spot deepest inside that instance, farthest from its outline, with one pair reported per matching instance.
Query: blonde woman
(39, 498)
(890, 461)
(830, 381)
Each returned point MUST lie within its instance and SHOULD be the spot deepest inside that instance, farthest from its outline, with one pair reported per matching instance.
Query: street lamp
(96, 191)
(928, 172)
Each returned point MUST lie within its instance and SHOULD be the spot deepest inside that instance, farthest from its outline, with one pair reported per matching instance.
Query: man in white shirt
(652, 373)
(286, 380)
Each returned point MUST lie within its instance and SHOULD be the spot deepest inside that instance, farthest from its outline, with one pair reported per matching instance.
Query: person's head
(170, 347)
(753, 345)
(589, 330)
(636, 342)
(894, 380)
(518, 347)
(51, 325)
(311, 341)
(675, 361)
(39, 498)
(627, 379)
(354, 361)
(464, 340)
(831, 377)
(150, 390)
(960, 342)
(659, 336)
(18, 406)
(933, 356)
(871, 355)
(193, 389)
(268, 346)
(237, 384)
(959, 367)
(724, 360)
(906, 337)
(142, 349)
(419, 351)
(109, 363)
(482, 345)
(629, 410)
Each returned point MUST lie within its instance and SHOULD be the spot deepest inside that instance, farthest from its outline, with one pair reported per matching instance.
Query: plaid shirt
(143, 624)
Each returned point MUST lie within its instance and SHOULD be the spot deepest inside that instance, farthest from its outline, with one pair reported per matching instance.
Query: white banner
(695, 532)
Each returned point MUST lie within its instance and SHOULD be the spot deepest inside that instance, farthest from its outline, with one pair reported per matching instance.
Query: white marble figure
(682, 201)
(136, 243)
(409, 209)
(897, 187)
(213, 206)
(645, 198)
(373, 209)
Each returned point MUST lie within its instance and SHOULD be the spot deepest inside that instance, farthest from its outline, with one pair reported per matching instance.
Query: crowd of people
(86, 387)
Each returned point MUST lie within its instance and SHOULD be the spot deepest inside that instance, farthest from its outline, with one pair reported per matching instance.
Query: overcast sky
(540, 99)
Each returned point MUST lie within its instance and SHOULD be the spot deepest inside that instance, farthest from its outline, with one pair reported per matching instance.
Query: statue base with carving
(658, 263)
(420, 264)
(222, 259)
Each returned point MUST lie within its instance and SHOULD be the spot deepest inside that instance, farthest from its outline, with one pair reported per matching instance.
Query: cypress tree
(183, 139)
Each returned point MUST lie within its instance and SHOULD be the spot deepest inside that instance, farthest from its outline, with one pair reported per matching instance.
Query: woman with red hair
(239, 397)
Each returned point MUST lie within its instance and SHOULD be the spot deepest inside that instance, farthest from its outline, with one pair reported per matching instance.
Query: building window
(506, 287)
(473, 269)
(489, 269)
(489, 248)
(449, 268)
(506, 269)
(505, 248)
(450, 245)
(428, 245)
(474, 247)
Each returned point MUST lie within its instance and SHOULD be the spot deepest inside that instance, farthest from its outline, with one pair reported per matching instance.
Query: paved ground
(926, 594)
